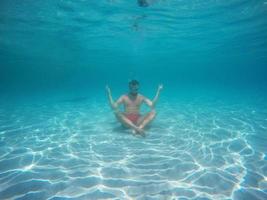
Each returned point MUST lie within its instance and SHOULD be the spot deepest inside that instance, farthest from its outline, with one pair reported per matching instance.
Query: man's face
(134, 88)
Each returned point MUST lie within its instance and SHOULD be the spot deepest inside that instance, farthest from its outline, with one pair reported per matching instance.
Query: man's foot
(138, 130)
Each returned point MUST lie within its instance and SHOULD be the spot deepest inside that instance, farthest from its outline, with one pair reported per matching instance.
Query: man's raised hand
(108, 89)
(160, 87)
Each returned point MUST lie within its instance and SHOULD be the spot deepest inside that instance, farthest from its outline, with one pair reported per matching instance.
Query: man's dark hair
(133, 82)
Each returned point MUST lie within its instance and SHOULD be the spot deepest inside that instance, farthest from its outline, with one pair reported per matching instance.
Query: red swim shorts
(133, 117)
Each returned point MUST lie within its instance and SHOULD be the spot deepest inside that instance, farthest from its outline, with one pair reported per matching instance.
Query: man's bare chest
(133, 101)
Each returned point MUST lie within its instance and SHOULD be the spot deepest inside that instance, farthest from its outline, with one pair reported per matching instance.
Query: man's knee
(153, 113)
(118, 113)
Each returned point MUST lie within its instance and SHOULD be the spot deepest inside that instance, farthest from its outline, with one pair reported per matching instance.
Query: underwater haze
(59, 139)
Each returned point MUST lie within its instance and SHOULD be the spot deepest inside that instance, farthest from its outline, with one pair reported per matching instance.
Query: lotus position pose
(132, 102)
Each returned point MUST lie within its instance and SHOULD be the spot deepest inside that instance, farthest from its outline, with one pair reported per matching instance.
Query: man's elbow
(152, 107)
(114, 106)
(153, 104)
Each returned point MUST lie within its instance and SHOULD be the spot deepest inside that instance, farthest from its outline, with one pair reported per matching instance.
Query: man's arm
(150, 103)
(114, 105)
(157, 95)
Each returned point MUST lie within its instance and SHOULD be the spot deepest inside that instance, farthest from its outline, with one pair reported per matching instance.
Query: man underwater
(132, 102)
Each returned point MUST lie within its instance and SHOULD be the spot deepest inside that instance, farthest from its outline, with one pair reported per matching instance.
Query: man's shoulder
(141, 96)
(123, 96)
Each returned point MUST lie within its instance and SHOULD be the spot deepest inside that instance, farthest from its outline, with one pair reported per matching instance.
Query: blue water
(58, 136)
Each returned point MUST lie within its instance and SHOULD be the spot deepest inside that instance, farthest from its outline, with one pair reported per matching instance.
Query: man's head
(133, 87)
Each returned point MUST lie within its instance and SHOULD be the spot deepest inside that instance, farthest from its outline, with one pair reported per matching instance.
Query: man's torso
(132, 104)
